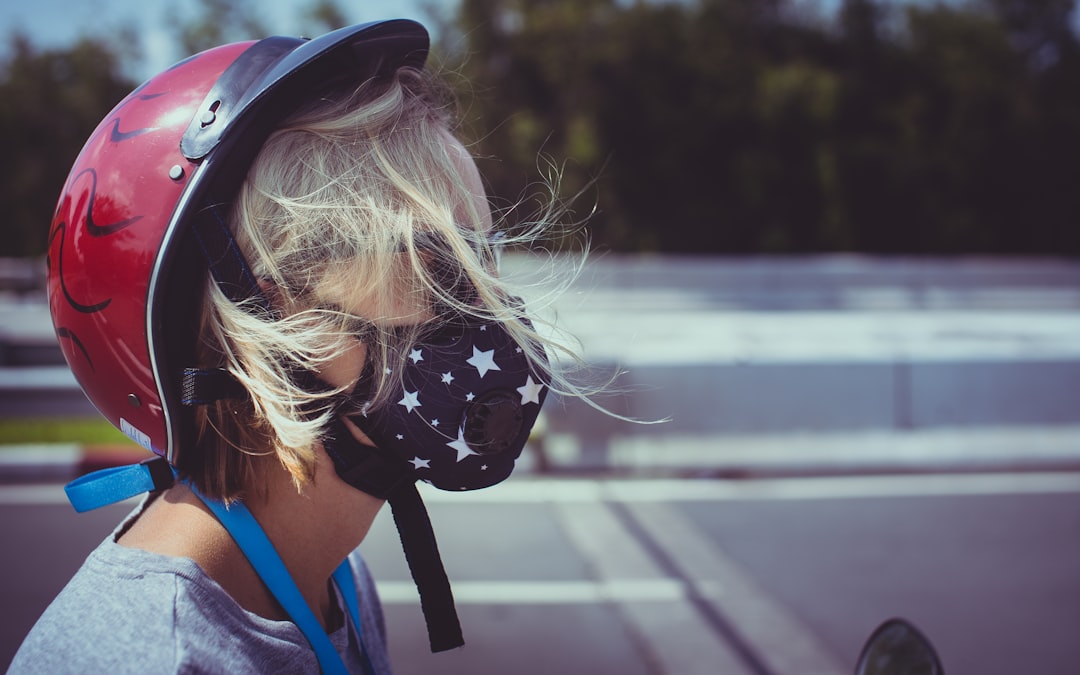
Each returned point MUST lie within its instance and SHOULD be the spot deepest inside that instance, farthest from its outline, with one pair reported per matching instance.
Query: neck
(312, 529)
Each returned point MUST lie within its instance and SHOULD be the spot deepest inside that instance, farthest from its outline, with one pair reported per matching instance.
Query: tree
(706, 126)
(50, 102)
(1037, 29)
(323, 16)
(218, 22)
(736, 126)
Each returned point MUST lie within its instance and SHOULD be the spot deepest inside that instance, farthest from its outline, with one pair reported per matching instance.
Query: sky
(57, 23)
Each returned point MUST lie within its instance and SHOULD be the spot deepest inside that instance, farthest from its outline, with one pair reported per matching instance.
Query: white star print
(411, 400)
(400, 437)
(416, 355)
(530, 393)
(447, 378)
(420, 463)
(470, 396)
(435, 422)
(459, 444)
(483, 361)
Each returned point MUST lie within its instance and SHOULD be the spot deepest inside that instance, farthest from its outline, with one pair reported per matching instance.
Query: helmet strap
(115, 484)
(382, 475)
(225, 261)
(199, 386)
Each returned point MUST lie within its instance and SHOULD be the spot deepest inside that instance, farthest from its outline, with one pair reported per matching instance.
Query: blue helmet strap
(115, 484)
(112, 485)
(260, 552)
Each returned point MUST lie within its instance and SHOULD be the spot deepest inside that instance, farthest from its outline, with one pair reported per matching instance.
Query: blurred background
(835, 244)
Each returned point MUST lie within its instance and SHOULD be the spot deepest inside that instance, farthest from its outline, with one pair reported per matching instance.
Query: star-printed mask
(468, 401)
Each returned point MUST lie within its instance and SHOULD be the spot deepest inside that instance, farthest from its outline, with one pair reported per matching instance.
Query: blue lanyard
(108, 486)
(256, 546)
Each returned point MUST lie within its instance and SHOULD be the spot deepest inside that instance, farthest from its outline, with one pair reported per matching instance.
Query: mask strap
(425, 564)
(387, 476)
(200, 386)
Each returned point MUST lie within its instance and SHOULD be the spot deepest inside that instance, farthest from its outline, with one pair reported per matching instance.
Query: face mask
(462, 413)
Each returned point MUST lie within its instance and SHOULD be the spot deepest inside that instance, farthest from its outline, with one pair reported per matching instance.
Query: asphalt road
(654, 577)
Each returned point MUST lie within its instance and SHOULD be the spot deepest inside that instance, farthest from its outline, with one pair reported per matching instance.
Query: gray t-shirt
(130, 611)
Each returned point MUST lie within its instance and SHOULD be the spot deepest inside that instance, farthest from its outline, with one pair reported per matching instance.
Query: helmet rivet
(134, 401)
(176, 172)
(207, 118)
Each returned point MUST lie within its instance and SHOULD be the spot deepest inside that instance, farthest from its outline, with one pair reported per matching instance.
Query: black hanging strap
(387, 476)
(425, 564)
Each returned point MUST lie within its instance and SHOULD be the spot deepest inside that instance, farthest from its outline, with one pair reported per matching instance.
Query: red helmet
(125, 267)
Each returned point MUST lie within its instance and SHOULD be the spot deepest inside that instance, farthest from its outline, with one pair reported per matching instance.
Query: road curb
(871, 451)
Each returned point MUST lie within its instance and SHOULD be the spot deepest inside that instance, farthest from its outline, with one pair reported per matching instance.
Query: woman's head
(365, 221)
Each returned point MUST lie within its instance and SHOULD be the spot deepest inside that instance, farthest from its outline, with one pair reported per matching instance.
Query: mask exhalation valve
(493, 422)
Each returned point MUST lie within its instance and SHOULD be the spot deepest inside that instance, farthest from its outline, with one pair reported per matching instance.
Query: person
(274, 266)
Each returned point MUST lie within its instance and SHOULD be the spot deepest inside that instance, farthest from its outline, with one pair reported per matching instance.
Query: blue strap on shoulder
(260, 552)
(112, 485)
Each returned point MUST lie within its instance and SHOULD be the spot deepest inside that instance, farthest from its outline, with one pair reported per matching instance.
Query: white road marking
(558, 490)
(675, 635)
(535, 489)
(782, 641)
(543, 592)
(846, 487)
(1004, 448)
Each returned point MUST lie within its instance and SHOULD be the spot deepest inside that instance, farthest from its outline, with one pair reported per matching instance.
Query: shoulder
(130, 611)
(113, 614)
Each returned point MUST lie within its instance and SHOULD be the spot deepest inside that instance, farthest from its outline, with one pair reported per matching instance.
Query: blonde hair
(360, 191)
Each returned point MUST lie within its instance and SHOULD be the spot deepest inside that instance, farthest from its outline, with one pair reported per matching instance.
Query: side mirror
(898, 648)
